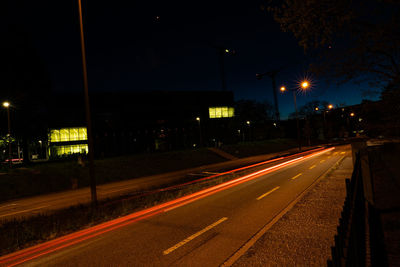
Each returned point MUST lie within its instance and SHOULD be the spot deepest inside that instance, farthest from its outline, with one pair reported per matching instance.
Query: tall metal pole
(221, 53)
(297, 119)
(200, 135)
(277, 116)
(9, 138)
(88, 118)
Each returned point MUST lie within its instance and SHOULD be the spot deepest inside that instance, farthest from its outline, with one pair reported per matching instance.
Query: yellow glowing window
(231, 112)
(224, 111)
(55, 136)
(221, 112)
(218, 112)
(70, 149)
(64, 135)
(211, 111)
(73, 134)
(68, 134)
(82, 133)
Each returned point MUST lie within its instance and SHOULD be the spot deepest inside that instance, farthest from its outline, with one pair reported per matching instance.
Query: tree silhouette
(24, 82)
(354, 40)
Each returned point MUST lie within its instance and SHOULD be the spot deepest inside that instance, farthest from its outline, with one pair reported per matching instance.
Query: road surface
(204, 232)
(29, 206)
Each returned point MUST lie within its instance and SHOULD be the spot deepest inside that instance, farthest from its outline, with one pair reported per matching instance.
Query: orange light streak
(77, 237)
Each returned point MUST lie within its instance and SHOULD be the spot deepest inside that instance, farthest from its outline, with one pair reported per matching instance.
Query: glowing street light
(330, 106)
(248, 123)
(283, 88)
(297, 113)
(6, 104)
(316, 109)
(305, 84)
(200, 135)
(352, 114)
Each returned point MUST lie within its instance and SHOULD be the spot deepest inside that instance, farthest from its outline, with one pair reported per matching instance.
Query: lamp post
(87, 108)
(249, 124)
(325, 110)
(272, 74)
(304, 85)
(222, 51)
(6, 104)
(200, 135)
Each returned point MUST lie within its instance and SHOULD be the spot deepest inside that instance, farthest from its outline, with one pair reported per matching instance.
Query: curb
(245, 247)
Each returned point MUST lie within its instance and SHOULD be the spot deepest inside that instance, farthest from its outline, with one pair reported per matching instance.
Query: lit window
(54, 135)
(225, 113)
(211, 112)
(231, 112)
(74, 134)
(83, 148)
(218, 112)
(64, 135)
(68, 134)
(221, 112)
(82, 134)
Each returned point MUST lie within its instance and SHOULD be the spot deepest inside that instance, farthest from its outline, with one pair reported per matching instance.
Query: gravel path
(304, 236)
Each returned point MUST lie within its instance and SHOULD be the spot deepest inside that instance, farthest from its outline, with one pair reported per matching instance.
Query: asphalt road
(205, 232)
(29, 206)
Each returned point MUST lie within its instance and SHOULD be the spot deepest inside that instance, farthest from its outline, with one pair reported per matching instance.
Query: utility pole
(297, 120)
(221, 59)
(7, 105)
(88, 117)
(272, 75)
(221, 54)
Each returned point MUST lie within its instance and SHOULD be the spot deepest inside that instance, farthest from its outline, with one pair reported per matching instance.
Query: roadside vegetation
(56, 176)
(24, 232)
(49, 177)
(247, 149)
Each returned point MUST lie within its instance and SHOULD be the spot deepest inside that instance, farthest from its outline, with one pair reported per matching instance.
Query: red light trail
(77, 237)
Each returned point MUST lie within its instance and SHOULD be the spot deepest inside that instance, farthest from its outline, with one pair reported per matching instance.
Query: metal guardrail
(359, 239)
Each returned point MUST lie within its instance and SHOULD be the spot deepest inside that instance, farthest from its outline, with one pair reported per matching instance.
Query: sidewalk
(304, 235)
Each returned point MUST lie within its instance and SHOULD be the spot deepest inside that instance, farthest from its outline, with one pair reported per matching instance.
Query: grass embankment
(248, 149)
(21, 233)
(49, 177)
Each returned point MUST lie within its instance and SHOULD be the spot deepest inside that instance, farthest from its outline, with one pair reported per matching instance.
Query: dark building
(127, 122)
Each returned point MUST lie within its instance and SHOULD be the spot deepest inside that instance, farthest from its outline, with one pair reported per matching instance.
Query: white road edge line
(22, 211)
(242, 250)
(269, 192)
(190, 238)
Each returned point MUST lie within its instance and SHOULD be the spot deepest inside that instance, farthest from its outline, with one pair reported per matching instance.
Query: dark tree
(24, 82)
(354, 40)
(256, 112)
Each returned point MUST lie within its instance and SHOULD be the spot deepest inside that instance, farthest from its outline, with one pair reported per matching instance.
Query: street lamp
(272, 74)
(306, 84)
(249, 130)
(352, 114)
(222, 51)
(200, 136)
(6, 104)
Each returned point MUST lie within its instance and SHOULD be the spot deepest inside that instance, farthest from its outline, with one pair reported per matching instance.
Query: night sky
(169, 45)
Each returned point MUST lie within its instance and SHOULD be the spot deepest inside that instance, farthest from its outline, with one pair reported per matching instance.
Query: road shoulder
(305, 234)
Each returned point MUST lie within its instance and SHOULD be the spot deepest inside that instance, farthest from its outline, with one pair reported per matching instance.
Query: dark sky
(129, 49)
